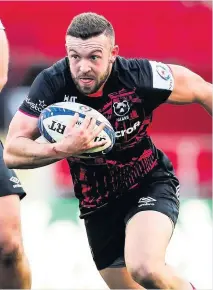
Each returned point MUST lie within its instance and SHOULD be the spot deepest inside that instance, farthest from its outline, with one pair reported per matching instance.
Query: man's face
(90, 61)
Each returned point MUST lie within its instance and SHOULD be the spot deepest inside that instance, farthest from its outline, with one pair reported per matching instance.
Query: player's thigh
(147, 237)
(119, 278)
(106, 235)
(149, 228)
(10, 226)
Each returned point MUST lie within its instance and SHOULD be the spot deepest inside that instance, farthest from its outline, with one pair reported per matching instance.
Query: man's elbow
(8, 159)
(204, 96)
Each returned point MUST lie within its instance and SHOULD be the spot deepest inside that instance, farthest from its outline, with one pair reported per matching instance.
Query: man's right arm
(21, 151)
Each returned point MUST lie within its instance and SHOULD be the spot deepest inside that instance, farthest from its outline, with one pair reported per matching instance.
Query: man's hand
(79, 139)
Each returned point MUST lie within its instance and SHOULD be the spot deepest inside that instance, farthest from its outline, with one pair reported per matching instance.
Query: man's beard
(96, 87)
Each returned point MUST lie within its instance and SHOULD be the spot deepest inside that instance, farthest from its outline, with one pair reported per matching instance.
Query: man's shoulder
(130, 64)
(133, 72)
(59, 68)
(56, 76)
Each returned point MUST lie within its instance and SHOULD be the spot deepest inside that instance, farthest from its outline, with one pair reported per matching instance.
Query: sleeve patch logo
(163, 72)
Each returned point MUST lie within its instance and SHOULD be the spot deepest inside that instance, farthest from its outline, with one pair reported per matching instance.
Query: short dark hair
(87, 25)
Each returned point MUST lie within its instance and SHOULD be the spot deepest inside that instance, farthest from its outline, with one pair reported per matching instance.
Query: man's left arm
(190, 88)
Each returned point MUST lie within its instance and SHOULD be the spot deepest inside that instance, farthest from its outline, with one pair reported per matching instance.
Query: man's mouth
(86, 80)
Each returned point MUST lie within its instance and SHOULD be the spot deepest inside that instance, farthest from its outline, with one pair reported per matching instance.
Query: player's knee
(148, 274)
(11, 247)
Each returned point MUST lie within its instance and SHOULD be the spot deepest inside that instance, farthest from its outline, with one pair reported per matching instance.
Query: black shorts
(106, 229)
(9, 183)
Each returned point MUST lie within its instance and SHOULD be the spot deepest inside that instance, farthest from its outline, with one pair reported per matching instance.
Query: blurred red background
(171, 31)
(167, 31)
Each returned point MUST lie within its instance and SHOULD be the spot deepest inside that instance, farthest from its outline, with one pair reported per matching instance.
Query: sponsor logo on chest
(130, 130)
(68, 98)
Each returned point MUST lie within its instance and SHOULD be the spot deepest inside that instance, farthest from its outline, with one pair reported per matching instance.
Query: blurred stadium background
(172, 31)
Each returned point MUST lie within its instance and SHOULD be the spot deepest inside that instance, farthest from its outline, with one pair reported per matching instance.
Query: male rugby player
(128, 197)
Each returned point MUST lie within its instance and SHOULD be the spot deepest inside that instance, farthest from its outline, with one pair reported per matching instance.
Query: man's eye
(74, 56)
(95, 57)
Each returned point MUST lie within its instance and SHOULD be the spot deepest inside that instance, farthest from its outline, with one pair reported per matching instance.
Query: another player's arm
(21, 151)
(4, 57)
(190, 88)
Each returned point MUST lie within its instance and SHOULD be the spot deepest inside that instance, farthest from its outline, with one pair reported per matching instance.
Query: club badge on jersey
(162, 76)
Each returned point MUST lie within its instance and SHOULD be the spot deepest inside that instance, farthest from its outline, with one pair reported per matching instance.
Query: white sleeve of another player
(162, 76)
(1, 25)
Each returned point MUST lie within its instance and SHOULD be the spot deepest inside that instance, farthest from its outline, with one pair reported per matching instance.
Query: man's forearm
(4, 57)
(31, 164)
(23, 153)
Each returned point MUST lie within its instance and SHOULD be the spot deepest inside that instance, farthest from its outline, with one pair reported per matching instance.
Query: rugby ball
(54, 119)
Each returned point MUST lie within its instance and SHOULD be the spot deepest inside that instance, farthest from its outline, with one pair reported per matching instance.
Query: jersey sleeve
(41, 95)
(156, 82)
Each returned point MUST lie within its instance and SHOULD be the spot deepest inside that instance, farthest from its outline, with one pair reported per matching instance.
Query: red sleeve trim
(28, 114)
